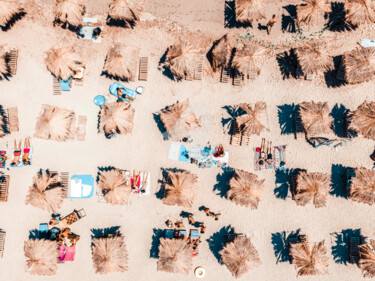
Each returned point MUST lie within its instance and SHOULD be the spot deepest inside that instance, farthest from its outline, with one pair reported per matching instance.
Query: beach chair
(341, 71)
(225, 75)
(81, 128)
(169, 233)
(354, 243)
(245, 140)
(188, 77)
(12, 63)
(237, 78)
(4, 187)
(2, 242)
(72, 131)
(180, 234)
(235, 138)
(310, 77)
(194, 235)
(70, 253)
(298, 127)
(230, 237)
(252, 75)
(143, 69)
(64, 176)
(54, 175)
(56, 86)
(198, 71)
(12, 114)
(43, 227)
(78, 75)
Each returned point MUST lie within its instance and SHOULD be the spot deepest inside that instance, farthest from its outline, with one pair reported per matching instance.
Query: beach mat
(278, 156)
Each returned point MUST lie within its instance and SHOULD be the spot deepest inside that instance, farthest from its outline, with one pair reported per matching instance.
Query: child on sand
(16, 154)
(270, 24)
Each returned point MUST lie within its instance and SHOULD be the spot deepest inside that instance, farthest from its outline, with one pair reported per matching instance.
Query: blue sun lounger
(125, 91)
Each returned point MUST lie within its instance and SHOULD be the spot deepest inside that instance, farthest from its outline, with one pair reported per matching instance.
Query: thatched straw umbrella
(359, 65)
(179, 120)
(113, 186)
(54, 123)
(181, 189)
(253, 122)
(109, 255)
(182, 59)
(363, 120)
(175, 256)
(116, 118)
(221, 52)
(9, 9)
(312, 12)
(248, 58)
(248, 11)
(316, 118)
(41, 256)
(69, 11)
(121, 62)
(240, 256)
(124, 10)
(367, 259)
(360, 11)
(313, 57)
(62, 62)
(362, 186)
(46, 192)
(245, 189)
(3, 63)
(309, 262)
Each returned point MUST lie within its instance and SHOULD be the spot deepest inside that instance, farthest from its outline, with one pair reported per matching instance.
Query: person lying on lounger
(262, 152)
(16, 154)
(121, 96)
(26, 152)
(269, 153)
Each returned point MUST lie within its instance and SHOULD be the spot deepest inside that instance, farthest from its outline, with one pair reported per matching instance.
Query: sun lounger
(225, 75)
(43, 227)
(310, 76)
(237, 78)
(12, 113)
(56, 86)
(188, 77)
(12, 63)
(354, 243)
(64, 176)
(245, 140)
(4, 187)
(198, 71)
(236, 135)
(78, 77)
(298, 127)
(194, 235)
(81, 128)
(70, 253)
(2, 242)
(230, 237)
(143, 69)
(350, 173)
(294, 184)
(252, 75)
(72, 130)
(169, 233)
(180, 234)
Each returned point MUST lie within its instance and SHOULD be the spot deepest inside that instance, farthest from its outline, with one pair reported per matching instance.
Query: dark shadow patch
(222, 182)
(113, 77)
(218, 240)
(105, 232)
(160, 125)
(350, 133)
(341, 248)
(233, 112)
(339, 113)
(165, 70)
(286, 113)
(36, 234)
(288, 22)
(161, 193)
(338, 181)
(121, 23)
(154, 250)
(4, 116)
(336, 18)
(284, 182)
(13, 20)
(281, 244)
(288, 64)
(230, 16)
(66, 25)
(262, 27)
(330, 76)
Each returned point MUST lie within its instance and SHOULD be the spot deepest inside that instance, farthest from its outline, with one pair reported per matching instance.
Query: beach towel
(86, 31)
(62, 252)
(30, 156)
(174, 151)
(81, 186)
(278, 157)
(70, 253)
(2, 164)
(367, 43)
(221, 161)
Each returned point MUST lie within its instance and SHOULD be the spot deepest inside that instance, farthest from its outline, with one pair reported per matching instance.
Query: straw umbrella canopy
(116, 117)
(41, 256)
(362, 186)
(367, 259)
(312, 12)
(363, 120)
(253, 122)
(309, 262)
(69, 11)
(245, 189)
(175, 256)
(62, 62)
(54, 123)
(221, 52)
(181, 189)
(313, 57)
(8, 9)
(113, 186)
(124, 10)
(249, 10)
(46, 193)
(359, 65)
(312, 187)
(248, 58)
(121, 62)
(240, 256)
(316, 118)
(3, 63)
(109, 254)
(360, 11)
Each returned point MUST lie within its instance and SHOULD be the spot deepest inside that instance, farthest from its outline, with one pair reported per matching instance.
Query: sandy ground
(146, 150)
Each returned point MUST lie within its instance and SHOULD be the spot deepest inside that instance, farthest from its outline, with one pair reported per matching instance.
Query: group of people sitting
(17, 153)
(64, 236)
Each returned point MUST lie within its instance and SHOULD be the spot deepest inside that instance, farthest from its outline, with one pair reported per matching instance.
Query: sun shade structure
(316, 118)
(248, 11)
(312, 187)
(248, 58)
(122, 62)
(124, 10)
(63, 62)
(69, 11)
(363, 120)
(41, 256)
(109, 255)
(54, 123)
(362, 186)
(181, 189)
(245, 189)
(46, 193)
(116, 118)
(4, 70)
(313, 57)
(367, 259)
(359, 65)
(113, 186)
(179, 120)
(312, 12)
(175, 256)
(253, 122)
(240, 256)
(309, 262)
(8, 10)
(360, 11)
(221, 52)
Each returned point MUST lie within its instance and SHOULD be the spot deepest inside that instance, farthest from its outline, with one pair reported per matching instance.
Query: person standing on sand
(270, 24)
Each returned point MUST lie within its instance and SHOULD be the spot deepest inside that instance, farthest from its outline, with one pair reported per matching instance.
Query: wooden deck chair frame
(143, 69)
(2, 242)
(13, 58)
(4, 189)
(81, 128)
(225, 75)
(12, 122)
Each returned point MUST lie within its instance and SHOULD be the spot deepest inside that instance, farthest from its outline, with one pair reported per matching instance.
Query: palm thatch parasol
(46, 192)
(175, 256)
(116, 117)
(367, 259)
(359, 65)
(248, 11)
(360, 11)
(69, 11)
(312, 11)
(179, 120)
(181, 189)
(246, 189)
(62, 62)
(362, 186)
(221, 52)
(109, 254)
(4, 70)
(363, 120)
(240, 256)
(248, 58)
(54, 123)
(9, 9)
(124, 10)
(113, 185)
(253, 122)
(316, 118)
(121, 62)
(313, 57)
(41, 256)
(312, 187)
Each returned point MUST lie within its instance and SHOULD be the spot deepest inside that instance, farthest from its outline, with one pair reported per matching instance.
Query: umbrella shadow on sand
(105, 232)
(288, 22)
(336, 18)
(230, 16)
(281, 244)
(103, 169)
(222, 185)
(286, 113)
(339, 113)
(330, 76)
(284, 182)
(36, 234)
(288, 64)
(338, 181)
(13, 20)
(218, 240)
(340, 250)
(160, 194)
(160, 125)
(154, 250)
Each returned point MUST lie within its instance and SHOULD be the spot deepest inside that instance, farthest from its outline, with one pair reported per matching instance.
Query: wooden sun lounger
(341, 72)
(2, 242)
(298, 127)
(4, 188)
(72, 134)
(354, 243)
(237, 78)
(310, 76)
(64, 176)
(13, 119)
(143, 69)
(198, 71)
(231, 237)
(56, 86)
(72, 218)
(81, 128)
(189, 77)
(252, 75)
(245, 140)
(225, 75)
(13, 57)
(236, 135)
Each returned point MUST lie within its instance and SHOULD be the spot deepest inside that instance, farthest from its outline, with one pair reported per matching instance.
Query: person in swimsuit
(169, 223)
(191, 219)
(270, 24)
(207, 211)
(121, 96)
(220, 151)
(269, 153)
(203, 227)
(262, 152)
(26, 152)
(16, 154)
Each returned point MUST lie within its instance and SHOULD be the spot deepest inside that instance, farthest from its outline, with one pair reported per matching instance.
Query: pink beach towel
(62, 252)
(70, 253)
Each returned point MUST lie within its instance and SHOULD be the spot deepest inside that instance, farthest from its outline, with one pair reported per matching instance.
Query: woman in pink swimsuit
(16, 154)
(26, 152)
